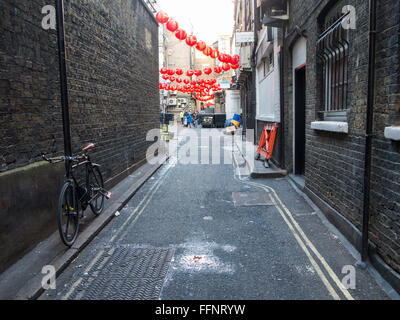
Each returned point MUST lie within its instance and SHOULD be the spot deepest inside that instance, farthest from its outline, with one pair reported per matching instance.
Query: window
(333, 57)
(268, 64)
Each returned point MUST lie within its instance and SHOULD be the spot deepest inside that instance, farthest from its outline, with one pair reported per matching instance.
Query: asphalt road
(203, 231)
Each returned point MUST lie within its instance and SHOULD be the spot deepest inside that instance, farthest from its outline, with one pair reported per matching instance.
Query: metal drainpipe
(282, 102)
(254, 69)
(63, 78)
(369, 130)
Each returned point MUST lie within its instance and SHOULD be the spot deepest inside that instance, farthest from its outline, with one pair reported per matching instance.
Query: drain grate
(125, 274)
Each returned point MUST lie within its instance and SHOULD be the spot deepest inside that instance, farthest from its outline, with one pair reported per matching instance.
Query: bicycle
(74, 198)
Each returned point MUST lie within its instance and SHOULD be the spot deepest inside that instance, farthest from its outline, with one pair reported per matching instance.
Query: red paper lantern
(173, 87)
(172, 78)
(162, 17)
(193, 82)
(179, 72)
(207, 51)
(228, 59)
(179, 80)
(214, 54)
(218, 69)
(224, 58)
(201, 45)
(163, 70)
(198, 73)
(186, 81)
(171, 72)
(234, 66)
(189, 73)
(207, 71)
(181, 34)
(191, 40)
(165, 76)
(172, 25)
(162, 85)
(226, 67)
(236, 59)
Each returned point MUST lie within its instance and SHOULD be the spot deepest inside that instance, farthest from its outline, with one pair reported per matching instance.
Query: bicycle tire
(97, 182)
(68, 214)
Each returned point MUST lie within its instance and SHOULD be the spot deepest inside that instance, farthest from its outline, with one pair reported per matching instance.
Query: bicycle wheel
(97, 192)
(68, 214)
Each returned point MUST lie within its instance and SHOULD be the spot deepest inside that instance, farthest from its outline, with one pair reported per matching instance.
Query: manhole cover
(124, 274)
(248, 199)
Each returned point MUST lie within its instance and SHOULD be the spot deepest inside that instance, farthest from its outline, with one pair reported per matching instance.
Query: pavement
(202, 229)
(23, 280)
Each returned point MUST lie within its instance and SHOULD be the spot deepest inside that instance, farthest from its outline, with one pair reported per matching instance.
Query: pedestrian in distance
(189, 120)
(182, 115)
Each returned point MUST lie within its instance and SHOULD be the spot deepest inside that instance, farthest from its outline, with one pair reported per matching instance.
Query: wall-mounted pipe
(369, 129)
(63, 78)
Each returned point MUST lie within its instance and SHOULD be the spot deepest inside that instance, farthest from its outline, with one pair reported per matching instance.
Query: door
(300, 121)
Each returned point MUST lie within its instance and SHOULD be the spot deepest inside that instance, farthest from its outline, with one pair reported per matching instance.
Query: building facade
(318, 77)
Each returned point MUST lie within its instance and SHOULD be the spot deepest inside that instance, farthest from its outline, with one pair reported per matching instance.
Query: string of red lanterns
(198, 73)
(173, 26)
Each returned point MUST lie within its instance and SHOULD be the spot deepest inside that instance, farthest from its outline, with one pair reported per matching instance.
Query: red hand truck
(267, 141)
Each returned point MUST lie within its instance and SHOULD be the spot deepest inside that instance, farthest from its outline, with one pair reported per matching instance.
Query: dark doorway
(300, 120)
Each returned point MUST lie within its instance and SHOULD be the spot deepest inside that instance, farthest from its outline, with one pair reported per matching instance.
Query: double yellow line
(135, 214)
(306, 245)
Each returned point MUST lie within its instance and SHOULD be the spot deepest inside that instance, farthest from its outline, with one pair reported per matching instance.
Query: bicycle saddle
(88, 146)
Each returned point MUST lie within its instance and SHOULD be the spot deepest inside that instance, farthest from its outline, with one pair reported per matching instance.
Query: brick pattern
(335, 162)
(30, 114)
(112, 53)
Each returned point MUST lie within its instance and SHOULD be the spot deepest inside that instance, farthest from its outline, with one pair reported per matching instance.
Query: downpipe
(369, 134)
(63, 81)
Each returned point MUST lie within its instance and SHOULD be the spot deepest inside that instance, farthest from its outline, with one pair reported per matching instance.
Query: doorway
(300, 120)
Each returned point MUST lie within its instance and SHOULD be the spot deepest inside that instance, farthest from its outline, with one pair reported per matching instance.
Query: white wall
(268, 89)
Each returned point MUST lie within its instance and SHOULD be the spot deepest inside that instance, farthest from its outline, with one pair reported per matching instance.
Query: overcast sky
(210, 18)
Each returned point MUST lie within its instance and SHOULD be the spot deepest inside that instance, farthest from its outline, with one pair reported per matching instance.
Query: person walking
(189, 120)
(182, 115)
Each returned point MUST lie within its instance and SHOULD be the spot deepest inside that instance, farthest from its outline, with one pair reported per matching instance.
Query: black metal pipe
(282, 103)
(63, 79)
(369, 129)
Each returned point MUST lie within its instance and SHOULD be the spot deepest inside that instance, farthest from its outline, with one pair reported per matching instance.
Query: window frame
(332, 50)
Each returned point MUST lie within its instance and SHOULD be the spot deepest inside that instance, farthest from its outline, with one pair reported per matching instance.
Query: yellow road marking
(90, 266)
(331, 290)
(92, 263)
(147, 197)
(313, 249)
(306, 240)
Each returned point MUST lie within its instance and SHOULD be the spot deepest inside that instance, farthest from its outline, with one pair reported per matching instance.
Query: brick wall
(112, 52)
(30, 113)
(335, 162)
(112, 66)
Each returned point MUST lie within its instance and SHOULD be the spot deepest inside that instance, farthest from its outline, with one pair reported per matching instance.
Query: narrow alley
(215, 235)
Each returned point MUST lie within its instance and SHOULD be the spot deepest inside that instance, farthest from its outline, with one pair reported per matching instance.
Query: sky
(209, 18)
